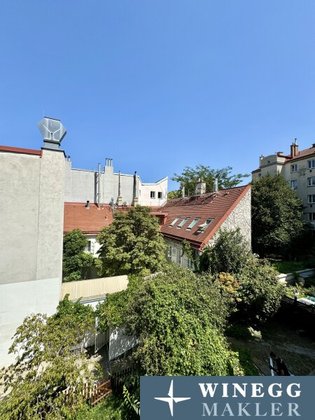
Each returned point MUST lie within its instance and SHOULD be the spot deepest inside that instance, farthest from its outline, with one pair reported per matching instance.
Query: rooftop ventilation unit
(52, 131)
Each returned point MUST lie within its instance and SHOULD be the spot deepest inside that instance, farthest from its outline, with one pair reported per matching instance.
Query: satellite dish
(52, 130)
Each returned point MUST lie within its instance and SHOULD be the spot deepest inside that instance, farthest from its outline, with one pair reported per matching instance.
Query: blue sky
(160, 84)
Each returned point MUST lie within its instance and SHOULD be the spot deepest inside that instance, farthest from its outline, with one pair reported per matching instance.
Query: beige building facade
(298, 168)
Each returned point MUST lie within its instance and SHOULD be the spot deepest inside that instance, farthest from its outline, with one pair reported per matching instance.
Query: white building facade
(104, 186)
(31, 235)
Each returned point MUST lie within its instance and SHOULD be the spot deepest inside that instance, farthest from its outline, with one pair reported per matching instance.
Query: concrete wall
(19, 300)
(31, 232)
(94, 287)
(81, 186)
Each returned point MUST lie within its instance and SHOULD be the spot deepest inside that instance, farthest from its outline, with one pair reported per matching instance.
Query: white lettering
(258, 413)
(208, 388)
(257, 390)
(242, 409)
(214, 409)
(225, 393)
(271, 391)
(228, 409)
(241, 388)
(293, 409)
(294, 394)
(275, 409)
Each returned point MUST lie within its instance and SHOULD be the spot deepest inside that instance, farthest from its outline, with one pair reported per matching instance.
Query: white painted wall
(31, 234)
(19, 300)
(158, 188)
(80, 186)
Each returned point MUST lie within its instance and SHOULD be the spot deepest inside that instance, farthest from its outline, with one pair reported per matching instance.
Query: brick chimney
(294, 149)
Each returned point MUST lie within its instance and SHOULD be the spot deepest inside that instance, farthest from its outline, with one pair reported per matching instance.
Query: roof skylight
(193, 222)
(204, 226)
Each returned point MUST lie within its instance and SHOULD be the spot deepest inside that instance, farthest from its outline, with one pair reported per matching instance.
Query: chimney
(109, 167)
(200, 187)
(183, 191)
(135, 198)
(215, 185)
(87, 204)
(294, 149)
(119, 198)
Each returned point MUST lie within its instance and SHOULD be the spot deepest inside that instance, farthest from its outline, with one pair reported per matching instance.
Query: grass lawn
(291, 266)
(110, 409)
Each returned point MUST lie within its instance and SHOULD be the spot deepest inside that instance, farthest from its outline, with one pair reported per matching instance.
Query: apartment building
(298, 168)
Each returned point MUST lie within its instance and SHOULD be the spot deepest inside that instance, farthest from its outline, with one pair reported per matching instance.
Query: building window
(174, 221)
(90, 247)
(169, 251)
(311, 181)
(311, 217)
(159, 195)
(294, 167)
(203, 226)
(192, 224)
(311, 198)
(181, 224)
(311, 164)
(152, 194)
(293, 184)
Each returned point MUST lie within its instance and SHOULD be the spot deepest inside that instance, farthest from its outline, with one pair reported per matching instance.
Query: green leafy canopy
(190, 176)
(132, 244)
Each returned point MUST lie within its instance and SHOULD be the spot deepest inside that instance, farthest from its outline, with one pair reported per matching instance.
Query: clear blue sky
(159, 84)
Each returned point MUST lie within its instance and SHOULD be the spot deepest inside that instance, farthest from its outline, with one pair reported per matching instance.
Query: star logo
(171, 399)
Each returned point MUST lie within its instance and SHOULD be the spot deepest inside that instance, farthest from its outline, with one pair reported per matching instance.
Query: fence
(92, 394)
(93, 287)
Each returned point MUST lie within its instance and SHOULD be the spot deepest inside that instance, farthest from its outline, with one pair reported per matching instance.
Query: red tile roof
(301, 154)
(216, 206)
(89, 220)
(304, 153)
(10, 149)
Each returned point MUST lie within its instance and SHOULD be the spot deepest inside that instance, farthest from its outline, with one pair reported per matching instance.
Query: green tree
(46, 366)
(260, 292)
(229, 253)
(132, 243)
(77, 264)
(276, 216)
(190, 176)
(178, 318)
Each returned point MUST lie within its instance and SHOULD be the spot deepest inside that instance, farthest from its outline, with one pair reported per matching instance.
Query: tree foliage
(260, 292)
(178, 318)
(229, 253)
(276, 216)
(77, 264)
(132, 243)
(46, 365)
(190, 176)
